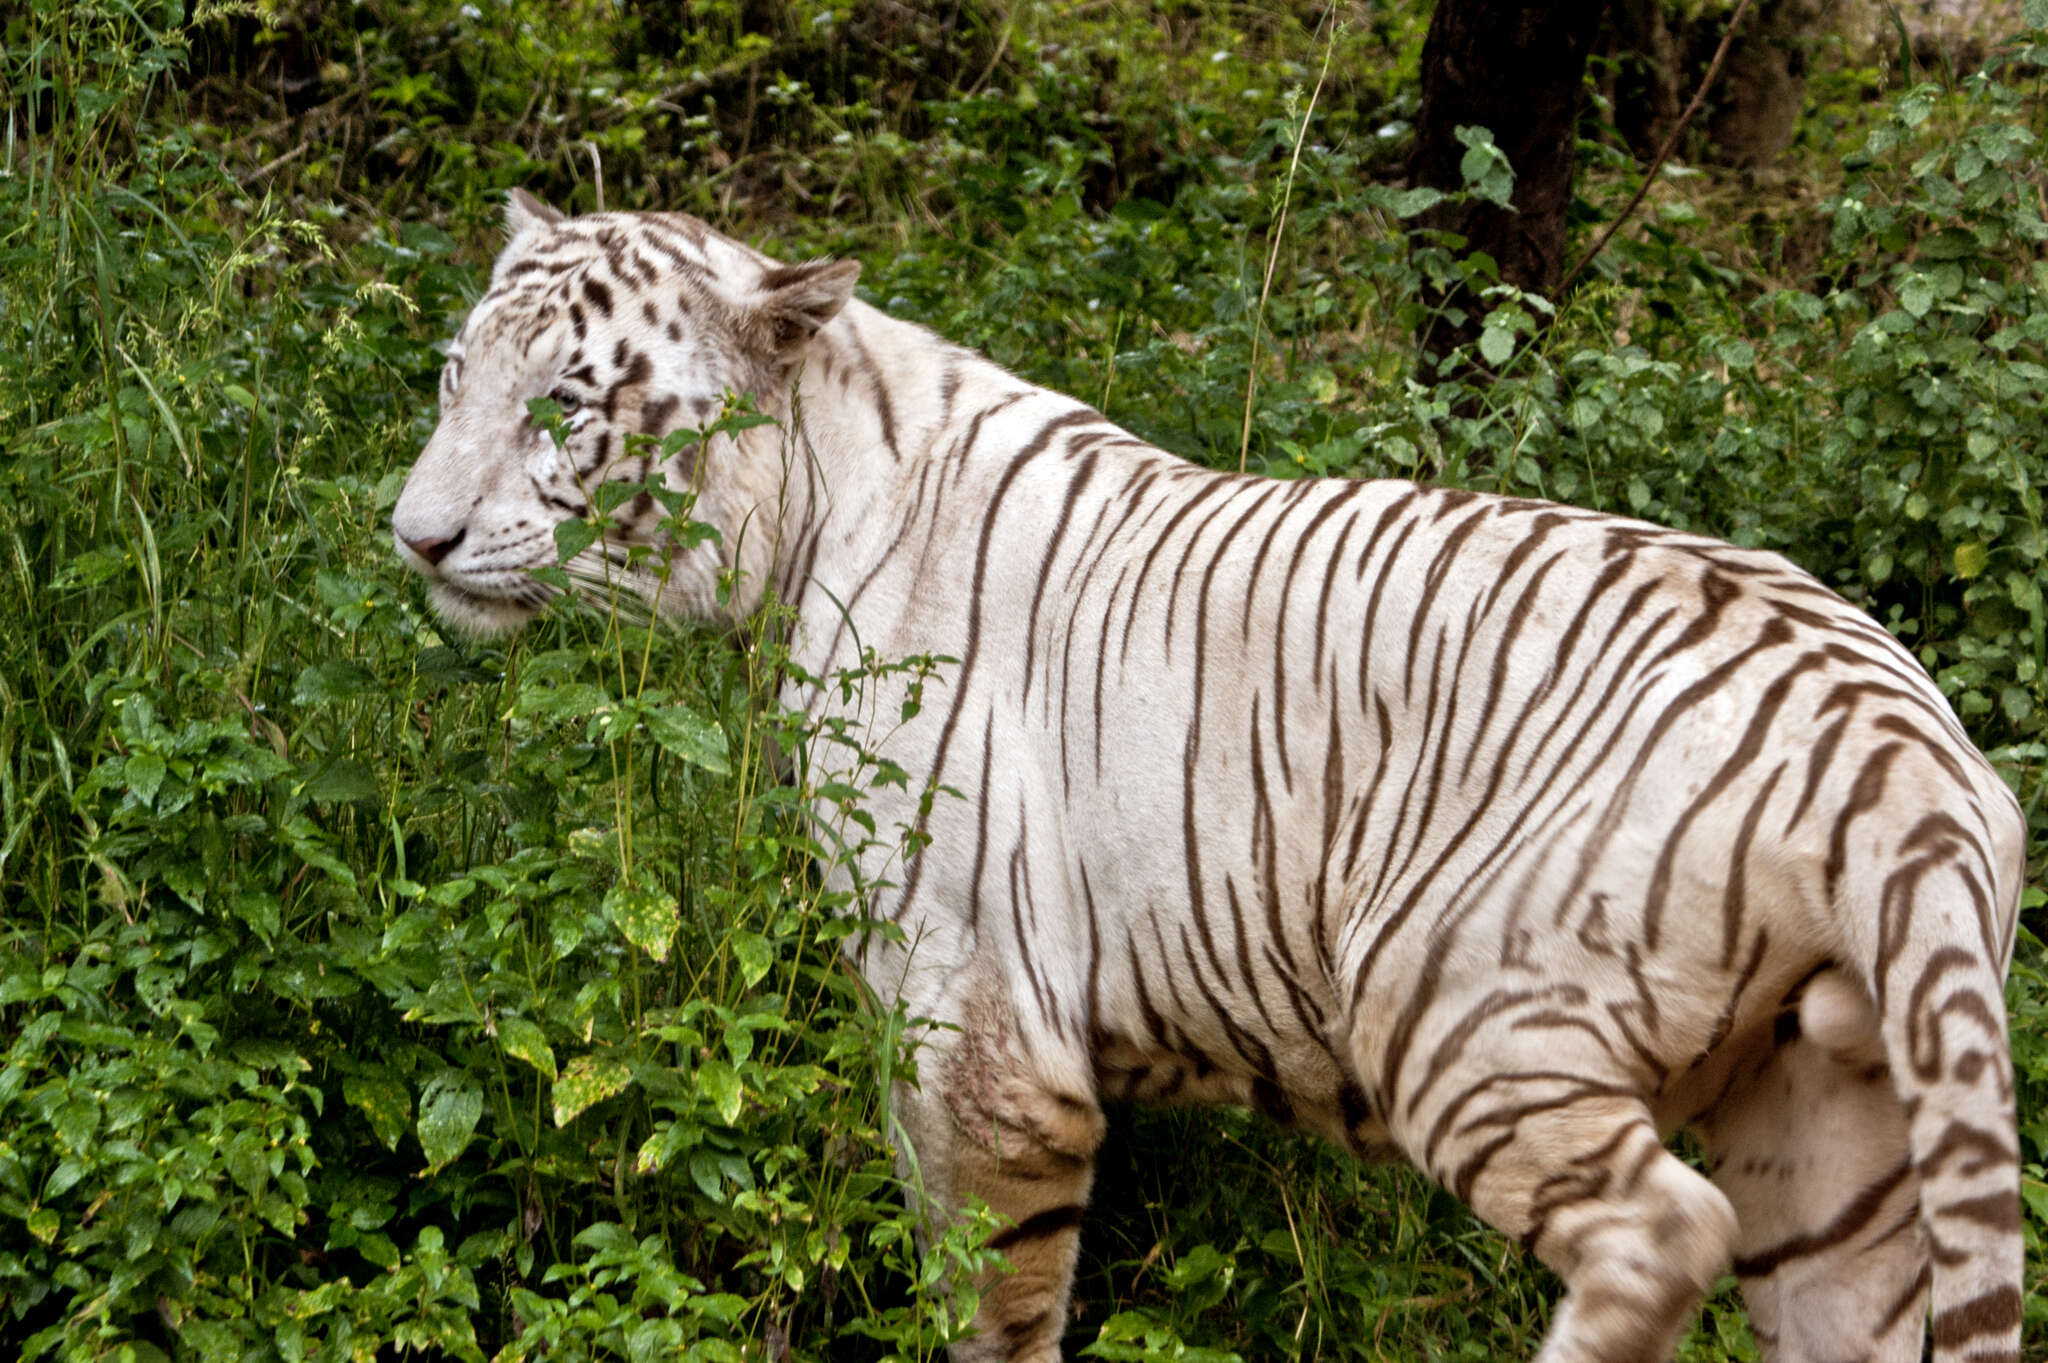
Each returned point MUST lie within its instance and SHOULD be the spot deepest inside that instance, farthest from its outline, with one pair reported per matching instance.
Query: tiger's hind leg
(1570, 1164)
(1810, 1144)
(989, 1121)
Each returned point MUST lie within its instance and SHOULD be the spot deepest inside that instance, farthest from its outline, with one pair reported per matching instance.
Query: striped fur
(1502, 835)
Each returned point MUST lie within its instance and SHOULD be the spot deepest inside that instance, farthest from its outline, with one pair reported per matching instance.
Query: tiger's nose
(434, 550)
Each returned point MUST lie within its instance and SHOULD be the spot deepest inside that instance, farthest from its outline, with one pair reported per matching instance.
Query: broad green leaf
(572, 538)
(605, 1237)
(572, 700)
(609, 497)
(588, 1079)
(1916, 295)
(1736, 354)
(342, 779)
(646, 917)
(705, 1173)
(1407, 203)
(382, 1098)
(449, 1111)
(337, 679)
(1496, 344)
(92, 567)
(524, 1040)
(76, 1121)
(689, 736)
(43, 1224)
(145, 771)
(1971, 558)
(755, 954)
(2034, 1193)
(1485, 167)
(722, 1085)
(668, 1140)
(349, 601)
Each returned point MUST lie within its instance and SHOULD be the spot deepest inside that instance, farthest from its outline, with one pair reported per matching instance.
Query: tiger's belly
(1314, 1097)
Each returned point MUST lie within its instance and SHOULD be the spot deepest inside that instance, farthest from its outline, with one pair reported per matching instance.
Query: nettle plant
(750, 1084)
(465, 1003)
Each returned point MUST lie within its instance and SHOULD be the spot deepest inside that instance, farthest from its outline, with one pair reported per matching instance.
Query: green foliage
(367, 993)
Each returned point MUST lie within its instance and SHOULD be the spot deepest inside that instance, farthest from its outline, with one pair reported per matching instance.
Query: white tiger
(1507, 836)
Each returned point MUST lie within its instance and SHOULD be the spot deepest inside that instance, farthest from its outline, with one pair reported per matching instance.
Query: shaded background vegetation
(367, 993)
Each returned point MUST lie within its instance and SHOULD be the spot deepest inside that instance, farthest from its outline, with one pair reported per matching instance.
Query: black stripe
(1040, 1225)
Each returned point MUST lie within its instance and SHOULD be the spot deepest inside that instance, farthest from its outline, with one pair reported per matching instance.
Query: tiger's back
(1505, 835)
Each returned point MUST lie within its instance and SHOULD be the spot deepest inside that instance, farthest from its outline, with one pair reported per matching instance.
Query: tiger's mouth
(485, 614)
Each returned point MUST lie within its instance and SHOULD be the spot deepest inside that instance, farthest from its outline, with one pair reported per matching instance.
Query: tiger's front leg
(991, 1119)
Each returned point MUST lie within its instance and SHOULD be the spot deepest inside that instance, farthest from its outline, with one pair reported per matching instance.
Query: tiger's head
(633, 325)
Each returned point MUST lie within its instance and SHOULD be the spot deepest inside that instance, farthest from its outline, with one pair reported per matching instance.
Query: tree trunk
(1647, 62)
(1764, 88)
(1517, 68)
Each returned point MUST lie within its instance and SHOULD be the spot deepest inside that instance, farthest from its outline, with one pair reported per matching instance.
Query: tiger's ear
(524, 213)
(798, 299)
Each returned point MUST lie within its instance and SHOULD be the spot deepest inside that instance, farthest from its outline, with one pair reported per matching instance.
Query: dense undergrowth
(365, 993)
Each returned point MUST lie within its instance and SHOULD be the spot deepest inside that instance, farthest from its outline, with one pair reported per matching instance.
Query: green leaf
(524, 1040)
(708, 1177)
(1408, 202)
(1736, 354)
(1496, 344)
(609, 497)
(91, 568)
(755, 954)
(689, 736)
(303, 837)
(2035, 1194)
(572, 538)
(1916, 295)
(145, 771)
(334, 680)
(1484, 166)
(341, 780)
(348, 600)
(449, 667)
(42, 1223)
(382, 1098)
(2034, 13)
(1971, 558)
(449, 1111)
(240, 396)
(588, 1079)
(645, 917)
(572, 700)
(76, 1121)
(722, 1084)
